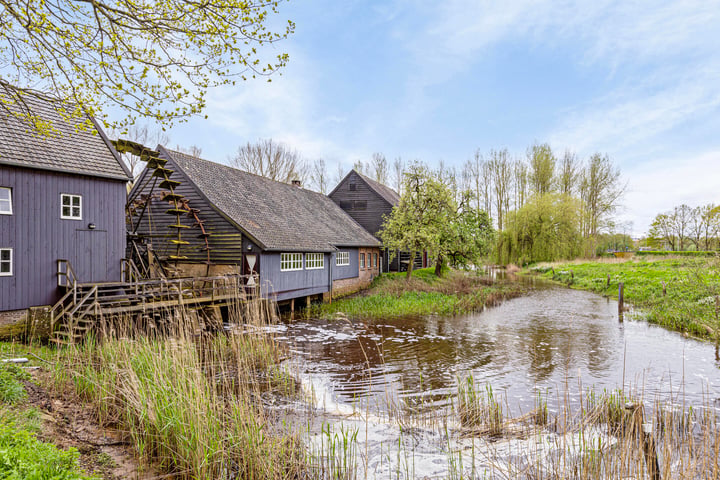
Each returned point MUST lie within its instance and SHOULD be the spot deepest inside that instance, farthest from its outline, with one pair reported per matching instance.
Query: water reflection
(550, 340)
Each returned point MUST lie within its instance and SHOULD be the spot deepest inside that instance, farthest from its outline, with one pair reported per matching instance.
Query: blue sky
(437, 80)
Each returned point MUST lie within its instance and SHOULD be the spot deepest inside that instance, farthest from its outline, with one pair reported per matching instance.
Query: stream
(555, 342)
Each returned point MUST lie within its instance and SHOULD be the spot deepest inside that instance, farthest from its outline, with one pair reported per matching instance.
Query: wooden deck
(85, 303)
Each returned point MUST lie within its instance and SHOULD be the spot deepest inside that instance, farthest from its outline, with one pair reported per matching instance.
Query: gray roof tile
(278, 215)
(85, 152)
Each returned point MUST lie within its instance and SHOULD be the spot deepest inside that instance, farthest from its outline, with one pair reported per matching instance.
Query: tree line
(685, 227)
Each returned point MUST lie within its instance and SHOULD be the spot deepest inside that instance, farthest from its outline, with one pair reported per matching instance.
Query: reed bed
(192, 404)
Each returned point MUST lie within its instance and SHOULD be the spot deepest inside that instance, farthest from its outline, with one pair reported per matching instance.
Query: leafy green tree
(466, 239)
(418, 221)
(428, 218)
(546, 228)
(152, 59)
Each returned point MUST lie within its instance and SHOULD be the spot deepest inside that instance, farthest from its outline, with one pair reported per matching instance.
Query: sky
(439, 80)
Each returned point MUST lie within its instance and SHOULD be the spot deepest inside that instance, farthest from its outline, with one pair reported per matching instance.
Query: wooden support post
(309, 302)
(292, 309)
(651, 459)
(621, 300)
(608, 281)
(637, 427)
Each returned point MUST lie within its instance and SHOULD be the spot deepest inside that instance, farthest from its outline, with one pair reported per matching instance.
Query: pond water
(554, 341)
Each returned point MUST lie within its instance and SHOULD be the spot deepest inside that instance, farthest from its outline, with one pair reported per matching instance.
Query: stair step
(178, 226)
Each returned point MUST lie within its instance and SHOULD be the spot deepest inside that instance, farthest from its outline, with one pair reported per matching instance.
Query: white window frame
(314, 261)
(10, 273)
(70, 196)
(362, 260)
(342, 259)
(291, 262)
(6, 201)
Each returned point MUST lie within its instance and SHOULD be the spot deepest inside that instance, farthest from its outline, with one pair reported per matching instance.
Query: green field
(691, 284)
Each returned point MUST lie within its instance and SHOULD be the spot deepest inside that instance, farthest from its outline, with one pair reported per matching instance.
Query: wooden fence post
(664, 285)
(608, 281)
(621, 299)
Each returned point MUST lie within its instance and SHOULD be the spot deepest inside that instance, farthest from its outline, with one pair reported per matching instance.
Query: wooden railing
(129, 271)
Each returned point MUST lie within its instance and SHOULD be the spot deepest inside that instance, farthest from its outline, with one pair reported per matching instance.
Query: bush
(22, 456)
(11, 390)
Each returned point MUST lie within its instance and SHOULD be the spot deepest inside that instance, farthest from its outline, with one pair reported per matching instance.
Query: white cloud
(652, 190)
(628, 117)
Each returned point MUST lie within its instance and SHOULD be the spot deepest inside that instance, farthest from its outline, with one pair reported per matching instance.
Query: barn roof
(279, 216)
(385, 192)
(68, 149)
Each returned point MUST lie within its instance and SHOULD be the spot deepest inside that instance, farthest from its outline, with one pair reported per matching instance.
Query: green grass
(392, 295)
(691, 286)
(22, 455)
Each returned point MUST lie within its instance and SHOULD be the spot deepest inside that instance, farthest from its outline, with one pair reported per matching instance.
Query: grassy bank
(22, 454)
(680, 293)
(391, 294)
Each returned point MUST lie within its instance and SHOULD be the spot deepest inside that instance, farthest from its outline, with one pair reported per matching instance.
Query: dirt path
(67, 422)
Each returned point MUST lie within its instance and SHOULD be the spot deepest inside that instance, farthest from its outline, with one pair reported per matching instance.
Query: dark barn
(368, 202)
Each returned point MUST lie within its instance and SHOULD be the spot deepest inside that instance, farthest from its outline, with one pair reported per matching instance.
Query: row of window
(373, 259)
(294, 261)
(70, 205)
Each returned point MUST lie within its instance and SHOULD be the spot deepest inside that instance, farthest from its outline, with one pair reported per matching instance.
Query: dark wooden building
(62, 197)
(202, 218)
(368, 202)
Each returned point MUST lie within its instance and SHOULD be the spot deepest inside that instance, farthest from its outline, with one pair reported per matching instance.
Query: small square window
(6, 262)
(342, 259)
(71, 206)
(314, 261)
(5, 201)
(353, 187)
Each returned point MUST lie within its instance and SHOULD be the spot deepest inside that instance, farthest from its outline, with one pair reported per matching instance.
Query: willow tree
(546, 228)
(150, 59)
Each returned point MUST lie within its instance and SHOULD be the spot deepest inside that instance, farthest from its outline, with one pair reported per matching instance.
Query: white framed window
(6, 262)
(362, 260)
(70, 206)
(375, 260)
(342, 259)
(314, 261)
(5, 201)
(291, 261)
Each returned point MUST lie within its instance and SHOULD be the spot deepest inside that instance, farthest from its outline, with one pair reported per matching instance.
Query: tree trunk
(438, 266)
(410, 266)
